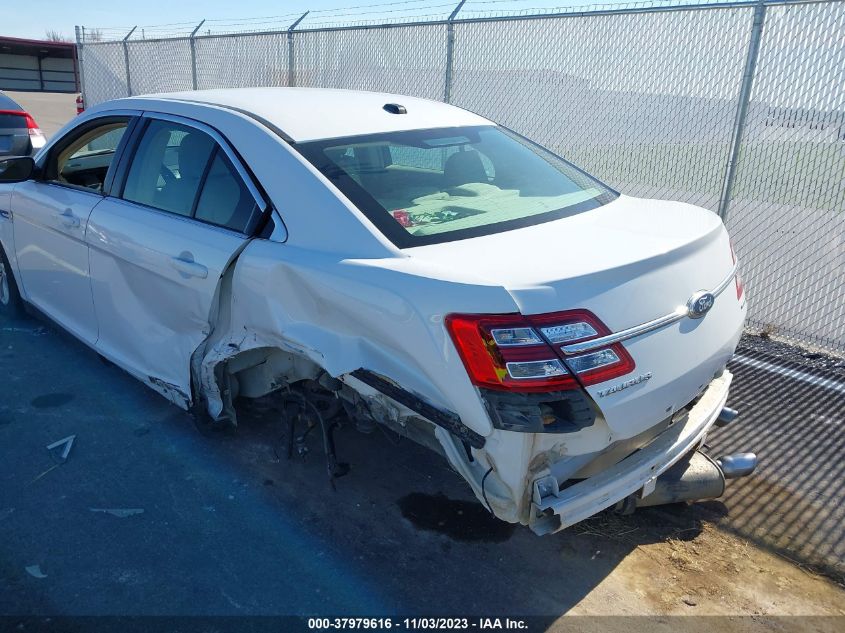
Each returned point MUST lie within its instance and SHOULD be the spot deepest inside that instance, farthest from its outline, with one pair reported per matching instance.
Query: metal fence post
(742, 108)
(450, 51)
(291, 60)
(194, 55)
(80, 65)
(126, 61)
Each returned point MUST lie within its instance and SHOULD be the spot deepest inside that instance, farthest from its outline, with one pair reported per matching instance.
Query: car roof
(306, 114)
(7, 103)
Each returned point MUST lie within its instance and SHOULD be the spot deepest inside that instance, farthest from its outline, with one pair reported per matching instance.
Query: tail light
(512, 352)
(36, 136)
(740, 287)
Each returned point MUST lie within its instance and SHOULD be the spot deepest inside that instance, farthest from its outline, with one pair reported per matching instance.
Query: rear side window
(225, 200)
(168, 167)
(182, 170)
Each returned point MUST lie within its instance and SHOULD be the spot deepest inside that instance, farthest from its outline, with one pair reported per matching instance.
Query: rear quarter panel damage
(383, 315)
(344, 314)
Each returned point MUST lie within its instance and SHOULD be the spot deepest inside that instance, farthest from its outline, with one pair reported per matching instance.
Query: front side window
(428, 186)
(85, 161)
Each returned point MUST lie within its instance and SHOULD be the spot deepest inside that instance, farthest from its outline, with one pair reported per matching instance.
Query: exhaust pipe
(737, 465)
(694, 478)
(726, 416)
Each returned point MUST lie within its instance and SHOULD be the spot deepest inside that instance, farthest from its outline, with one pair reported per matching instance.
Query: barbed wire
(410, 10)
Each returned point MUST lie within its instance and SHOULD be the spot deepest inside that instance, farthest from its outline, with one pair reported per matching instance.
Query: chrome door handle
(68, 219)
(188, 267)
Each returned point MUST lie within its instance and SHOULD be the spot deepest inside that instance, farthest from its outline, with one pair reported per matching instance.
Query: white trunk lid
(629, 262)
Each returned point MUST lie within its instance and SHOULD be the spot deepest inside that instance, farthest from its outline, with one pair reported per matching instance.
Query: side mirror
(16, 168)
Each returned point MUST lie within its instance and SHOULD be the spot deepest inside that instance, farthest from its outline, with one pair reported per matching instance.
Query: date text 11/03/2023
(413, 624)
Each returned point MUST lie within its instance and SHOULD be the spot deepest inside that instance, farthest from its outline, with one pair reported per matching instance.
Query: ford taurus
(385, 260)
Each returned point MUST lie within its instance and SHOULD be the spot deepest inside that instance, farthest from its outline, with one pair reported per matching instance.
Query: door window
(85, 161)
(225, 200)
(168, 168)
(182, 170)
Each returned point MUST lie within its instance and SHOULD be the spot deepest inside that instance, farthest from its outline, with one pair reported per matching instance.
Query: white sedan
(389, 260)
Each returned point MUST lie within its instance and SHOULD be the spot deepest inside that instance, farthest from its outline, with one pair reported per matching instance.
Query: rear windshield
(429, 186)
(13, 121)
(7, 103)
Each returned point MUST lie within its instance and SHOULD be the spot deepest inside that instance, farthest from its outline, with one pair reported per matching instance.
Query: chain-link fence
(737, 106)
(787, 211)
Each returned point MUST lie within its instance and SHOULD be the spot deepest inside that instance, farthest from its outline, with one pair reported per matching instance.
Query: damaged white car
(390, 260)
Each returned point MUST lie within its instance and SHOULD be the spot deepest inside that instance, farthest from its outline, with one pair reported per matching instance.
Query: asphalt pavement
(792, 414)
(147, 515)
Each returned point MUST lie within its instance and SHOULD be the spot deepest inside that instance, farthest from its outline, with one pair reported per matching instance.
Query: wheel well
(257, 372)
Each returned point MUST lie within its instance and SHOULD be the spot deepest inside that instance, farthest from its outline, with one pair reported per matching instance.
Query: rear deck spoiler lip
(678, 314)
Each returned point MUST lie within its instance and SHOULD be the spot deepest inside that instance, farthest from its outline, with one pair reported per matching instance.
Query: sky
(33, 18)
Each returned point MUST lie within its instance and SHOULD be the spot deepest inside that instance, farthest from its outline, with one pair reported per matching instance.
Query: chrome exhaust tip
(695, 478)
(737, 465)
(726, 416)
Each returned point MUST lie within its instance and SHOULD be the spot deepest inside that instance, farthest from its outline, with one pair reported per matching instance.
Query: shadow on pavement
(148, 517)
(794, 504)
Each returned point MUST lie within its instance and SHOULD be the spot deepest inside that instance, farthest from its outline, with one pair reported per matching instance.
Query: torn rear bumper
(554, 508)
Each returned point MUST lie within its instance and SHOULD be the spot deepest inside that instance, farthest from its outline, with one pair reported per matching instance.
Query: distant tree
(56, 36)
(94, 35)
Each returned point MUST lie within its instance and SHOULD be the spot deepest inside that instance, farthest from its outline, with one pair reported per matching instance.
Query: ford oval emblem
(700, 303)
